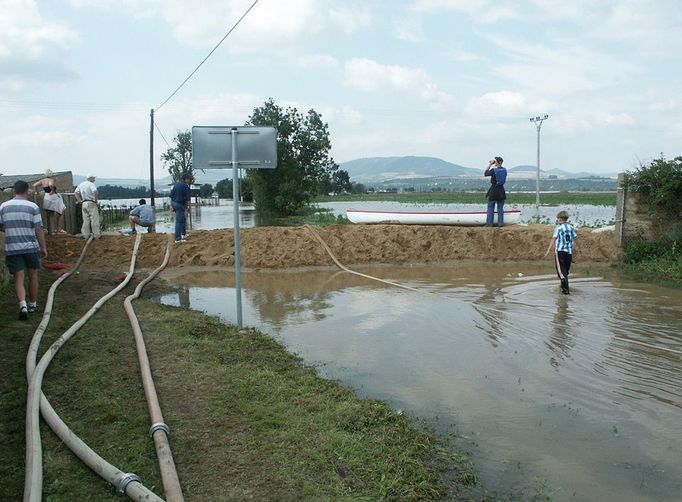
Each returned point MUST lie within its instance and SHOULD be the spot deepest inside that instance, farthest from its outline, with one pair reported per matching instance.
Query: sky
(453, 79)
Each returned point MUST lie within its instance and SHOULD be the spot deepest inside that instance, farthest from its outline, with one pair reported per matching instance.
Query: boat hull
(476, 218)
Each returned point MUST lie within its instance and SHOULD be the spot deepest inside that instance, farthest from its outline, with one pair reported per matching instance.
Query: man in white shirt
(86, 193)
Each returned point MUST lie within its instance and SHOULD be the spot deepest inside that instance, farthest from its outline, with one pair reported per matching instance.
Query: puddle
(549, 394)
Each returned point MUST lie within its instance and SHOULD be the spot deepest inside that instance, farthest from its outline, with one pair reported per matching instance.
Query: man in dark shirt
(180, 202)
(496, 192)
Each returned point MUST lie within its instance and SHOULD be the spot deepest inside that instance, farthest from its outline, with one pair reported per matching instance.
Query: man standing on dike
(180, 202)
(24, 245)
(496, 192)
(86, 193)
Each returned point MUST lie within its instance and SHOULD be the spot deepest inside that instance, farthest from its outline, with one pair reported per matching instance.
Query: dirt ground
(289, 247)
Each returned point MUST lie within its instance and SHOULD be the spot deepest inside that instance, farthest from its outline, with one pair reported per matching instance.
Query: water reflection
(537, 380)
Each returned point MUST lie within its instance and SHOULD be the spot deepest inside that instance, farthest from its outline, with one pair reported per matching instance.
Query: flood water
(547, 391)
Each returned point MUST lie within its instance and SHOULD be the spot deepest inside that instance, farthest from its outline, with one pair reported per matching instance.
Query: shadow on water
(544, 388)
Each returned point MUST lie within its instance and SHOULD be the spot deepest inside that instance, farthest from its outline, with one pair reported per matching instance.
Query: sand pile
(285, 247)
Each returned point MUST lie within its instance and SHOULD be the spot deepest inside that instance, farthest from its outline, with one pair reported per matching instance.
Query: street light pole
(538, 123)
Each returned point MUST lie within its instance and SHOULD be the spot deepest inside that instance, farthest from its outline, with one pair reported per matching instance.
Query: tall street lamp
(538, 123)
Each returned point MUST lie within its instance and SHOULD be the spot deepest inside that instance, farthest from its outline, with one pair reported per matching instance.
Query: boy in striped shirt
(563, 241)
(24, 245)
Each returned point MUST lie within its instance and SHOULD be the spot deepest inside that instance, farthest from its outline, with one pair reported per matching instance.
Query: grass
(657, 260)
(249, 421)
(547, 199)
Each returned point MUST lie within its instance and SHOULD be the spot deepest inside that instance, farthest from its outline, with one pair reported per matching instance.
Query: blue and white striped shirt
(565, 237)
(20, 218)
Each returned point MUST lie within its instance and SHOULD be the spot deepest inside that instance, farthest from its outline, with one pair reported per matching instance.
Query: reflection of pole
(538, 123)
(235, 198)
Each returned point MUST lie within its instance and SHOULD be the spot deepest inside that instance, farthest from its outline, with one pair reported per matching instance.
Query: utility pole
(151, 155)
(538, 124)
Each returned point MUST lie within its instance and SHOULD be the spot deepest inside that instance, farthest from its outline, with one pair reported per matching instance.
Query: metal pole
(538, 124)
(537, 178)
(151, 155)
(235, 199)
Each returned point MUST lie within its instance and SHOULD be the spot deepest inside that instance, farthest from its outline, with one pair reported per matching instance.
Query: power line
(164, 138)
(208, 56)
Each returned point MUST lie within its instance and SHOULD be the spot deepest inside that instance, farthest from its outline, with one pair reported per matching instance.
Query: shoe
(23, 314)
(133, 232)
(181, 240)
(150, 230)
(33, 308)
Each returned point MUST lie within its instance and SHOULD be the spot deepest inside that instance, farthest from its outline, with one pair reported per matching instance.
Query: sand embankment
(286, 247)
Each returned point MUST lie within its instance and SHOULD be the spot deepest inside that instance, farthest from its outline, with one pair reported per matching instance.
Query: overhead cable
(208, 56)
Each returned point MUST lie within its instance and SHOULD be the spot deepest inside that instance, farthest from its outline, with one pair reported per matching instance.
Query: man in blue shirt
(180, 202)
(142, 215)
(24, 245)
(496, 192)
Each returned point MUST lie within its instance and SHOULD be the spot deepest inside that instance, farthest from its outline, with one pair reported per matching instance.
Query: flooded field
(554, 396)
(214, 217)
(581, 214)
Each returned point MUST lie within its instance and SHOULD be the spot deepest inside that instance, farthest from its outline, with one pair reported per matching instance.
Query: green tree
(224, 189)
(303, 160)
(178, 158)
(660, 184)
(206, 191)
(341, 181)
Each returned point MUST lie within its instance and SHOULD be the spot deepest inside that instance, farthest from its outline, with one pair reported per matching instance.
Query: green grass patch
(658, 260)
(249, 420)
(548, 199)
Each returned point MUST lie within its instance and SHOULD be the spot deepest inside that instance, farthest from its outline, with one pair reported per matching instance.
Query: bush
(660, 183)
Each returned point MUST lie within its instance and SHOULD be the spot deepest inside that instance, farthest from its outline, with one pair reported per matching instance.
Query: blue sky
(454, 79)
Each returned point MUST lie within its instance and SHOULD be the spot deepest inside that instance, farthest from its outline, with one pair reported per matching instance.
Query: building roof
(8, 181)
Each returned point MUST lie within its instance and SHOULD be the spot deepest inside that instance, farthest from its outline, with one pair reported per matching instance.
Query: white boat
(428, 218)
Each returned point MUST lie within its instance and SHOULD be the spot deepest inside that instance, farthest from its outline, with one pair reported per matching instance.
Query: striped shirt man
(565, 237)
(20, 218)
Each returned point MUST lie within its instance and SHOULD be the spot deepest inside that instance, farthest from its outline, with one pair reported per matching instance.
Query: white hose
(159, 430)
(127, 484)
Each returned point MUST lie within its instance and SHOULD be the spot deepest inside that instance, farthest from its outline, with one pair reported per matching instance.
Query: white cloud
(564, 69)
(409, 29)
(459, 53)
(317, 61)
(654, 28)
(270, 23)
(482, 11)
(503, 105)
(43, 139)
(370, 76)
(26, 34)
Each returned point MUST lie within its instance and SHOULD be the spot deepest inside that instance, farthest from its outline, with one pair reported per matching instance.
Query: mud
(290, 247)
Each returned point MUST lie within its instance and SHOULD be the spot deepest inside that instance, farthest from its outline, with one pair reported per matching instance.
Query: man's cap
(48, 173)
(90, 176)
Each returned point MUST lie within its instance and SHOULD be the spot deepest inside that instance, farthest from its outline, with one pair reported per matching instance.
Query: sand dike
(290, 247)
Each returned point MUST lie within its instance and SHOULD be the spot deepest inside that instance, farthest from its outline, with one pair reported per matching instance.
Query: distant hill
(211, 176)
(371, 170)
(374, 169)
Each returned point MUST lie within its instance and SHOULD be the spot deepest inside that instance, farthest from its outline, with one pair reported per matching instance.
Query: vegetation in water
(547, 199)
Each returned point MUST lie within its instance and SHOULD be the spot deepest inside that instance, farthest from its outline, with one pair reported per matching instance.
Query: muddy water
(548, 391)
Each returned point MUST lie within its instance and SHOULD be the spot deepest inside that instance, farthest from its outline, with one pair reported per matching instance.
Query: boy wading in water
(563, 241)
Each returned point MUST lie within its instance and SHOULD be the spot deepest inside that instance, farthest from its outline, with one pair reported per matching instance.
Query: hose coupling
(125, 480)
(159, 426)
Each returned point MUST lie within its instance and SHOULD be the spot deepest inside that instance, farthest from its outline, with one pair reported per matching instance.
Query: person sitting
(142, 215)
